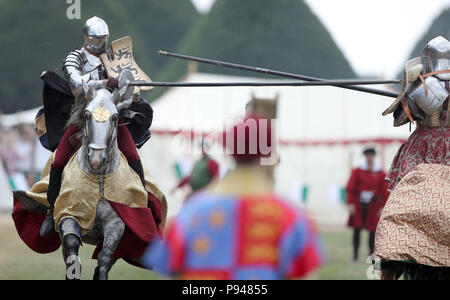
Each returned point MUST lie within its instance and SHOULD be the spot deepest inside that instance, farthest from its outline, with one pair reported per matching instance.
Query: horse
(99, 155)
(412, 236)
(103, 200)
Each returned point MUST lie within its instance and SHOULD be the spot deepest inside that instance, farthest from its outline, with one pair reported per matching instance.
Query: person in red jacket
(366, 196)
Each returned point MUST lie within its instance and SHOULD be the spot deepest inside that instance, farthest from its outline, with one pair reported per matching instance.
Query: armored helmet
(96, 34)
(436, 57)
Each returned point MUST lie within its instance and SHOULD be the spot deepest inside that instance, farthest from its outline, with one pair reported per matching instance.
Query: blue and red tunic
(237, 238)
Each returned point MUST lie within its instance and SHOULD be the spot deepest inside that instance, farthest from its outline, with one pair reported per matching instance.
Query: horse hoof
(102, 273)
(103, 276)
(73, 269)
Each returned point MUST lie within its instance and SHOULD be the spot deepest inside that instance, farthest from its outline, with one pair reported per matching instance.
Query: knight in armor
(412, 234)
(84, 67)
(425, 100)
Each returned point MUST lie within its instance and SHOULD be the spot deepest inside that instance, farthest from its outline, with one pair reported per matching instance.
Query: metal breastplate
(80, 66)
(93, 66)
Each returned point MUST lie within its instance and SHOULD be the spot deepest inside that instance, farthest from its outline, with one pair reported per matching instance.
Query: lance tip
(161, 52)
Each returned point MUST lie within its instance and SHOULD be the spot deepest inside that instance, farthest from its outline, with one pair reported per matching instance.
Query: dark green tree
(282, 34)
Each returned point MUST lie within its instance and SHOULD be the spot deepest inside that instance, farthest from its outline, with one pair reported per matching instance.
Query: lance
(278, 73)
(267, 83)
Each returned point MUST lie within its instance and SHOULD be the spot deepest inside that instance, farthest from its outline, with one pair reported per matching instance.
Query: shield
(123, 59)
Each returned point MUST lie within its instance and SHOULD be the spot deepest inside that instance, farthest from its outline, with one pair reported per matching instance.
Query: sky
(376, 36)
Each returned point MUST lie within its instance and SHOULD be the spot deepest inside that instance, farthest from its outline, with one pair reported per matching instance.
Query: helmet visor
(97, 45)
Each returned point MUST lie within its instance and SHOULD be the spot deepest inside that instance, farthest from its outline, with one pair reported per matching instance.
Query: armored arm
(72, 67)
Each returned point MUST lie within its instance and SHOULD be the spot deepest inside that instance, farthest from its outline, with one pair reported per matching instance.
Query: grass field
(17, 261)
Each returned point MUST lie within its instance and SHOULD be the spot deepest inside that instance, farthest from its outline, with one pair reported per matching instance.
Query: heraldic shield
(123, 59)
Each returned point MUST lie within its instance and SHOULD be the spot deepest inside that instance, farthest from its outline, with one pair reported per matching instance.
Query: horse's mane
(76, 115)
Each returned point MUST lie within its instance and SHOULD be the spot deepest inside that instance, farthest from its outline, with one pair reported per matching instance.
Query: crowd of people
(18, 147)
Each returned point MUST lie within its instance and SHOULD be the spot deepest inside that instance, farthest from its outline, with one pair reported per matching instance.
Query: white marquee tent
(23, 117)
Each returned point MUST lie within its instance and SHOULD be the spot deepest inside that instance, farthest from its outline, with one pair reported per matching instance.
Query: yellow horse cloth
(415, 223)
(80, 192)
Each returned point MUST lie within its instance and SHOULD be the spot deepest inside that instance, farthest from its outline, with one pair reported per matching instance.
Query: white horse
(99, 155)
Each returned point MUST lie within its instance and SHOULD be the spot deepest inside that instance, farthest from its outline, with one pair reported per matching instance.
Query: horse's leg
(113, 229)
(97, 271)
(71, 240)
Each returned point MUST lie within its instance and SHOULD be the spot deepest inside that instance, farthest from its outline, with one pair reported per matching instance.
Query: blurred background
(322, 129)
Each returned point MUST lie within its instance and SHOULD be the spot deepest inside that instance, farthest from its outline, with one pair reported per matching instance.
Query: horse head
(100, 122)
(100, 119)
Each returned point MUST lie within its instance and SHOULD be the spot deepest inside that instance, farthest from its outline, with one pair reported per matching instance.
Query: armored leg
(54, 186)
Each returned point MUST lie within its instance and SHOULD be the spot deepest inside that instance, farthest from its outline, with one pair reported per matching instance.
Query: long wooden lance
(280, 74)
(267, 83)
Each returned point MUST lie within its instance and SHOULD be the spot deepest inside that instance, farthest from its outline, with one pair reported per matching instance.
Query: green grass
(338, 247)
(17, 261)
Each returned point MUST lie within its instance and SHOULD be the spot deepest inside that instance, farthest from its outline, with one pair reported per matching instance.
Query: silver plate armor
(84, 65)
(430, 103)
(436, 57)
(81, 66)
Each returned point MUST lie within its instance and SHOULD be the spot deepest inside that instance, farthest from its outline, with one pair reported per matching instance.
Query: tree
(282, 34)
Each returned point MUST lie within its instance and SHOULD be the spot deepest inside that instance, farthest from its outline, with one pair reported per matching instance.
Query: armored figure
(85, 65)
(412, 234)
(424, 99)
(83, 68)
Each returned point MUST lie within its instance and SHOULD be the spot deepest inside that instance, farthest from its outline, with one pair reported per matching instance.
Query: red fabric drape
(28, 225)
